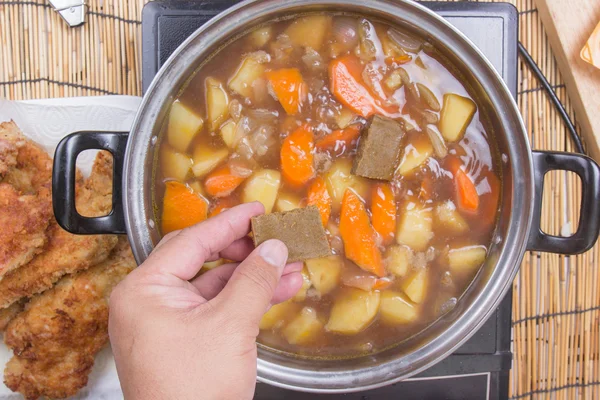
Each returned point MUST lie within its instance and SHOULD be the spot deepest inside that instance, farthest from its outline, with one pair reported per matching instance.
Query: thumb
(250, 290)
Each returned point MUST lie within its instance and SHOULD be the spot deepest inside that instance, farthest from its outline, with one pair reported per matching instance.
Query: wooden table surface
(569, 24)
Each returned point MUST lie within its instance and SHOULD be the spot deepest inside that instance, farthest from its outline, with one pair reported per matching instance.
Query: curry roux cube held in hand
(379, 149)
(300, 229)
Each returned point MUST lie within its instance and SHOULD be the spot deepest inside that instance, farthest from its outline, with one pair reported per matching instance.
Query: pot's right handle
(589, 216)
(63, 182)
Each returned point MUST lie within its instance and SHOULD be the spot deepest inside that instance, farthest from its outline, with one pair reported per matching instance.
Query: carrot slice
(383, 211)
(401, 59)
(340, 140)
(223, 204)
(489, 200)
(347, 86)
(358, 235)
(297, 156)
(221, 182)
(319, 196)
(467, 198)
(289, 87)
(181, 207)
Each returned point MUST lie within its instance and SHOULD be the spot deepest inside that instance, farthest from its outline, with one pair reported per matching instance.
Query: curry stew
(277, 117)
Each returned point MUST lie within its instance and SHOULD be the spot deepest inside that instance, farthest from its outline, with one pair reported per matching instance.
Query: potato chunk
(449, 218)
(352, 311)
(415, 227)
(397, 260)
(259, 37)
(249, 70)
(306, 284)
(324, 273)
(287, 201)
(466, 259)
(217, 103)
(415, 154)
(263, 186)
(304, 328)
(207, 159)
(393, 80)
(455, 116)
(309, 31)
(174, 165)
(228, 134)
(339, 178)
(197, 188)
(415, 286)
(183, 126)
(344, 118)
(396, 309)
(279, 314)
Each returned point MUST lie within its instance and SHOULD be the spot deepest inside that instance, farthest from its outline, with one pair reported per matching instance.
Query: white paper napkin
(47, 122)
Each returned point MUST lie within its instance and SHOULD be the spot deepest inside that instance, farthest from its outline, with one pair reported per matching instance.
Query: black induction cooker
(479, 368)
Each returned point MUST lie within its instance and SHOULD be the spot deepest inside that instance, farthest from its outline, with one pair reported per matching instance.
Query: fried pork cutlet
(8, 149)
(57, 336)
(96, 199)
(30, 168)
(24, 220)
(7, 314)
(67, 253)
(25, 198)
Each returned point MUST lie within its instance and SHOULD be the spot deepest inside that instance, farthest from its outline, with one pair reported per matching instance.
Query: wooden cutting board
(569, 23)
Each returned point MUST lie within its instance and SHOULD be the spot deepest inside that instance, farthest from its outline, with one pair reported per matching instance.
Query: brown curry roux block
(379, 149)
(300, 229)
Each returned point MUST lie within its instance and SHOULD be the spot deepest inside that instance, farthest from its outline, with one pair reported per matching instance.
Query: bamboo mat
(556, 304)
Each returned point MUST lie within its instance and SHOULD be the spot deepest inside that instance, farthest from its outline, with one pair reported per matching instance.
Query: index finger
(184, 254)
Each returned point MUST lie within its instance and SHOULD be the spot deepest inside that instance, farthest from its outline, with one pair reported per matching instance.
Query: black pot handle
(589, 216)
(63, 182)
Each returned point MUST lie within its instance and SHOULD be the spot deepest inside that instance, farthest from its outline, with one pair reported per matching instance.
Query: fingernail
(274, 252)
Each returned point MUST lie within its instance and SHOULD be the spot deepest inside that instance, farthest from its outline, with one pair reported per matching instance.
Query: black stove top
(479, 368)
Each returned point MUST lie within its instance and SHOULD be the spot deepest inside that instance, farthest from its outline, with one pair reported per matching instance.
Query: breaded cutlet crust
(61, 330)
(66, 253)
(25, 198)
(7, 314)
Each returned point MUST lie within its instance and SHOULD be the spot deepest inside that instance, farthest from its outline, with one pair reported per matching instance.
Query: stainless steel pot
(518, 227)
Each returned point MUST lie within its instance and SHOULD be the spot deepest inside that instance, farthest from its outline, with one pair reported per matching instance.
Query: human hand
(178, 336)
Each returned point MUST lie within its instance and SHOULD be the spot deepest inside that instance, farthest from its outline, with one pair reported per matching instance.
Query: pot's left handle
(63, 182)
(589, 214)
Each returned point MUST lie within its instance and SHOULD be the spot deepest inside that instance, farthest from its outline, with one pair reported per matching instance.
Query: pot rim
(142, 147)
